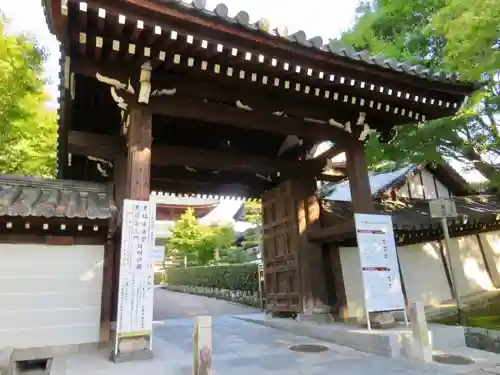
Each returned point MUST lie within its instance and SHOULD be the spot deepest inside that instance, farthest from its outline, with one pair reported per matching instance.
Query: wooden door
(280, 244)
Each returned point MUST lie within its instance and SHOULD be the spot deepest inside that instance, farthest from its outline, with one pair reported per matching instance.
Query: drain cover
(451, 359)
(307, 348)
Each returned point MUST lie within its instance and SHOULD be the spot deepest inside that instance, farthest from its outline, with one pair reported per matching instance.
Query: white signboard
(379, 263)
(135, 294)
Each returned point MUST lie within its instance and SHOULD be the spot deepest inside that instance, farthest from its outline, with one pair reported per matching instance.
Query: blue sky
(326, 18)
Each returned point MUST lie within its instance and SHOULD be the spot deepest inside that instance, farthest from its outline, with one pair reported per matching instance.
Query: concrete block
(419, 347)
(6, 361)
(58, 366)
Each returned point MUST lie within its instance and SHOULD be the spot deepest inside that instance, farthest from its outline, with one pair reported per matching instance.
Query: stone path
(244, 348)
(241, 348)
(169, 305)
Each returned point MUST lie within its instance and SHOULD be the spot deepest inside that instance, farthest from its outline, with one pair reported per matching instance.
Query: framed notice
(136, 284)
(379, 263)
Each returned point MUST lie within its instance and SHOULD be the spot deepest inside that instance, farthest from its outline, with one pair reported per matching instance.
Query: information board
(379, 263)
(136, 283)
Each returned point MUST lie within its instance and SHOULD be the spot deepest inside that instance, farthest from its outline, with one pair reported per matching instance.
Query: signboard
(379, 263)
(135, 293)
(442, 208)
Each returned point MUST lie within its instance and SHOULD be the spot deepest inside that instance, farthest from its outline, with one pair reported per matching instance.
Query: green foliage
(28, 131)
(251, 238)
(235, 254)
(233, 277)
(253, 212)
(200, 244)
(447, 35)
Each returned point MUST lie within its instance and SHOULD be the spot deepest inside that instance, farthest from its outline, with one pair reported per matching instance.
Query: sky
(325, 18)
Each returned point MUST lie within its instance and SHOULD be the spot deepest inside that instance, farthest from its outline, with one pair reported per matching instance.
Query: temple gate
(164, 95)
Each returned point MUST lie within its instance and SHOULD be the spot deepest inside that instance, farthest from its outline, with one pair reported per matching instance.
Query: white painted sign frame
(382, 286)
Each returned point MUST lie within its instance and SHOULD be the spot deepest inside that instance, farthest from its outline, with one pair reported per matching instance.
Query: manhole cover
(306, 348)
(451, 359)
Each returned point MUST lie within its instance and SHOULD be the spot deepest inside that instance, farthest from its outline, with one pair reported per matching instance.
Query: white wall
(423, 272)
(50, 295)
(416, 188)
(491, 247)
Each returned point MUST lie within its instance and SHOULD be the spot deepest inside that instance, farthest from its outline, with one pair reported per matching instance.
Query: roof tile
(413, 214)
(242, 18)
(35, 197)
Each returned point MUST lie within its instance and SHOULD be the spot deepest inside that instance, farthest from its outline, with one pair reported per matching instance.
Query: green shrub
(233, 277)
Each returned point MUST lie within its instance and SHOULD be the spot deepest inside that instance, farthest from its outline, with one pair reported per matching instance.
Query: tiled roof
(378, 184)
(413, 214)
(334, 47)
(31, 196)
(381, 182)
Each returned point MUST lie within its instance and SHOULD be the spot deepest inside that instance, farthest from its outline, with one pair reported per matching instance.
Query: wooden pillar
(107, 293)
(312, 270)
(361, 200)
(357, 172)
(139, 153)
(136, 187)
(65, 114)
(119, 182)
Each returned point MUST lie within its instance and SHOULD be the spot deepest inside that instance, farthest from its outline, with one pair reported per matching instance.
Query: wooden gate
(280, 244)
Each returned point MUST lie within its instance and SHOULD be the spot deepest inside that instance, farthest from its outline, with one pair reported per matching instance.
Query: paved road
(168, 305)
(242, 348)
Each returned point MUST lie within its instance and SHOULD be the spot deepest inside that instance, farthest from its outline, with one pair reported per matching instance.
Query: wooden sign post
(202, 351)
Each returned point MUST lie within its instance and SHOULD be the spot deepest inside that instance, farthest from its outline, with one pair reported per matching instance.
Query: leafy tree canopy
(199, 243)
(28, 131)
(447, 35)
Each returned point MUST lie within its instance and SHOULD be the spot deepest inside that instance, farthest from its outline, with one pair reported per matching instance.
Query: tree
(253, 211)
(447, 35)
(200, 244)
(28, 131)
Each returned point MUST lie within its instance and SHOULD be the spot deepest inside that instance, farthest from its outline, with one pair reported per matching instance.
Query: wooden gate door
(280, 244)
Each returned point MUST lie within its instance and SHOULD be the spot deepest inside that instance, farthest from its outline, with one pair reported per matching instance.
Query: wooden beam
(233, 116)
(107, 147)
(91, 144)
(332, 233)
(197, 158)
(170, 174)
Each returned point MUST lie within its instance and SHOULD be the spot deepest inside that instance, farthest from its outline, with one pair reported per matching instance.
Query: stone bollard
(202, 351)
(6, 355)
(421, 346)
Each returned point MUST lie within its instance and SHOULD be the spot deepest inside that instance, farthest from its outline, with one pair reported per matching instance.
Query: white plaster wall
(491, 247)
(416, 189)
(353, 283)
(423, 272)
(49, 295)
(469, 269)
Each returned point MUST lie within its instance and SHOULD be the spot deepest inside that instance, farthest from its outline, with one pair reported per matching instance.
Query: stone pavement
(168, 305)
(241, 348)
